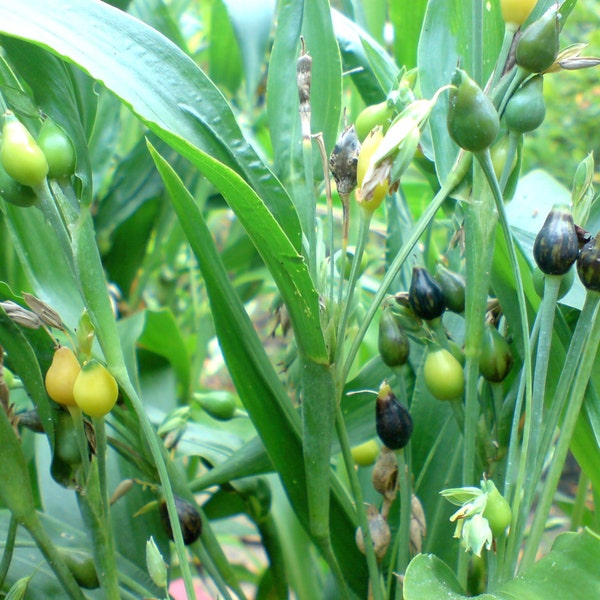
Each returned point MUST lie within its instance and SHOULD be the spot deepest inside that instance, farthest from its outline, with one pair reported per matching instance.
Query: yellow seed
(370, 201)
(61, 376)
(95, 390)
(516, 11)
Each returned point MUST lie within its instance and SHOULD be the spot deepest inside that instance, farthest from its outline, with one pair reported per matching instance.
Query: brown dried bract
(385, 474)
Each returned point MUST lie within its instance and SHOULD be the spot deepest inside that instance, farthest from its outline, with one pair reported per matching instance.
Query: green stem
(319, 402)
(456, 175)
(310, 208)
(509, 33)
(580, 500)
(361, 514)
(54, 559)
(134, 585)
(547, 311)
(486, 164)
(54, 217)
(564, 439)
(584, 325)
(343, 256)
(519, 77)
(431, 454)
(522, 502)
(440, 333)
(497, 390)
(495, 577)
(98, 525)
(492, 574)
(82, 441)
(511, 152)
(363, 236)
(101, 449)
(405, 513)
(9, 545)
(512, 487)
(332, 265)
(477, 40)
(480, 229)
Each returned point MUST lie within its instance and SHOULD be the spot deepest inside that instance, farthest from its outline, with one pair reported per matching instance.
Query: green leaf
(383, 67)
(350, 39)
(326, 88)
(225, 62)
(573, 558)
(262, 394)
(124, 54)
(283, 93)
(22, 360)
(287, 267)
(162, 336)
(312, 20)
(44, 584)
(429, 578)
(251, 21)
(37, 248)
(407, 20)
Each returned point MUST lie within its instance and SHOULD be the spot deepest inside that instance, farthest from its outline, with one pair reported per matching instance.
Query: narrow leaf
(262, 393)
(161, 84)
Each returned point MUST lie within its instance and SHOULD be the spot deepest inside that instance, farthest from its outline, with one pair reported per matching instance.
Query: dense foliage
(286, 276)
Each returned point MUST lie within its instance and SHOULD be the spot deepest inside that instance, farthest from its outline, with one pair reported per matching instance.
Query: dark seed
(393, 421)
(189, 520)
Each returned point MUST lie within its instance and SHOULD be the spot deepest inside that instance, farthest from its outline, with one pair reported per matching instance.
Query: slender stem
(159, 461)
(584, 324)
(134, 585)
(511, 152)
(477, 40)
(55, 219)
(101, 448)
(343, 255)
(54, 559)
(486, 163)
(374, 575)
(405, 513)
(363, 236)
(547, 311)
(519, 77)
(332, 253)
(522, 502)
(98, 524)
(580, 500)
(310, 210)
(509, 33)
(575, 401)
(82, 441)
(492, 574)
(440, 333)
(497, 390)
(514, 480)
(431, 454)
(9, 545)
(480, 230)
